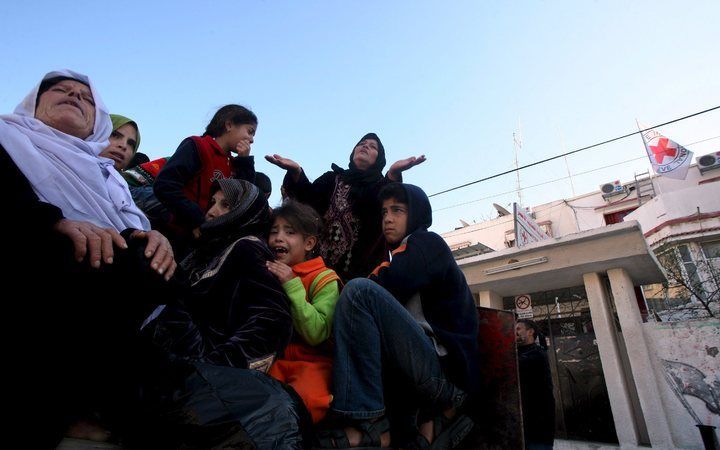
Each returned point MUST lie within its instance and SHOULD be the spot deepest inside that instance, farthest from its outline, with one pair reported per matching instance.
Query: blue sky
(450, 80)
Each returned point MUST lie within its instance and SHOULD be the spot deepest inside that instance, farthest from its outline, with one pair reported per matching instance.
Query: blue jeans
(377, 341)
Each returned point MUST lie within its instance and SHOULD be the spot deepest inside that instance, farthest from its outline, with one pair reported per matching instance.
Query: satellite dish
(501, 211)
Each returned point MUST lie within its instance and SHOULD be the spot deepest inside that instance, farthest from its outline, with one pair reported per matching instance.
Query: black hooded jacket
(424, 264)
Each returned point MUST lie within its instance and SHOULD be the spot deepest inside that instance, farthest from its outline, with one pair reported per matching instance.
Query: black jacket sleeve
(174, 176)
(243, 168)
(316, 194)
(28, 212)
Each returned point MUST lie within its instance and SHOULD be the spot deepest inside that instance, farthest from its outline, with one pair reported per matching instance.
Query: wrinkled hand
(159, 249)
(243, 148)
(282, 271)
(284, 163)
(403, 165)
(91, 240)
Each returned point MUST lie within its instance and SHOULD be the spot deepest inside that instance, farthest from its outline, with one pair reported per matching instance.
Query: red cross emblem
(663, 149)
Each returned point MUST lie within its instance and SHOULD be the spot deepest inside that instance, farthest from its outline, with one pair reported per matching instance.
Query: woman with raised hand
(352, 243)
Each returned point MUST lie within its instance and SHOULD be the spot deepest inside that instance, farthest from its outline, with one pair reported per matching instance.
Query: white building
(635, 362)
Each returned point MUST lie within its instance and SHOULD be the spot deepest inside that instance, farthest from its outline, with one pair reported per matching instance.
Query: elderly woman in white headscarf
(54, 138)
(77, 322)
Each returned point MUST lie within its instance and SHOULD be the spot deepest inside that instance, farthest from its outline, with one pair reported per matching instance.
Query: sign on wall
(523, 306)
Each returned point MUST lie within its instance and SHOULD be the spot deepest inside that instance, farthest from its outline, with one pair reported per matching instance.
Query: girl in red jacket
(183, 184)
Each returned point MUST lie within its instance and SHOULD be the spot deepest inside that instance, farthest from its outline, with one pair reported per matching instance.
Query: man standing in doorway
(536, 388)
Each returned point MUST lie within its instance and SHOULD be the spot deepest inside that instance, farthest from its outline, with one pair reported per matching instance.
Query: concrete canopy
(561, 262)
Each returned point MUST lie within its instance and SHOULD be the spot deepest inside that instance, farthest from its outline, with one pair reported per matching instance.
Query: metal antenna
(517, 144)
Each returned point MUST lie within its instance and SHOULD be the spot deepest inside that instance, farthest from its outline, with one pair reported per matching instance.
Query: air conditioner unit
(612, 189)
(708, 162)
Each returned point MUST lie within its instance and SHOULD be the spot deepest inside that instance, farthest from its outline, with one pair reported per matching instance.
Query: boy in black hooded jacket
(406, 338)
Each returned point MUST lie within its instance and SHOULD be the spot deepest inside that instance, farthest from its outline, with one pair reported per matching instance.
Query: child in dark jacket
(405, 339)
(183, 184)
(313, 290)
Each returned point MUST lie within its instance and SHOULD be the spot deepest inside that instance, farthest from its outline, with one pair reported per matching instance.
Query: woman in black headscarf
(352, 243)
(235, 312)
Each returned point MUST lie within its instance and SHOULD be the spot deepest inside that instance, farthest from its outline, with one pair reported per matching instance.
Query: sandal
(337, 439)
(448, 433)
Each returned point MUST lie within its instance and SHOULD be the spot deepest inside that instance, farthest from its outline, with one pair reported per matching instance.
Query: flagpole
(656, 185)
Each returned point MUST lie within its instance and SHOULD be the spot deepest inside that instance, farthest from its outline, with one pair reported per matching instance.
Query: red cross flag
(668, 158)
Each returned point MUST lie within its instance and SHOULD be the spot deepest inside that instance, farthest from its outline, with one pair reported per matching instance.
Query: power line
(573, 151)
(560, 179)
(539, 184)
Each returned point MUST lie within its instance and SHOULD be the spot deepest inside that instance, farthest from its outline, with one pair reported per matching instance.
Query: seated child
(313, 290)
(405, 339)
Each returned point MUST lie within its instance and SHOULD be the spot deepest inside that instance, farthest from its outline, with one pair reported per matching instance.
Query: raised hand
(291, 166)
(243, 148)
(282, 271)
(404, 164)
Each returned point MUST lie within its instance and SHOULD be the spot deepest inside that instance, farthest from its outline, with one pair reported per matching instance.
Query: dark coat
(352, 243)
(536, 391)
(234, 311)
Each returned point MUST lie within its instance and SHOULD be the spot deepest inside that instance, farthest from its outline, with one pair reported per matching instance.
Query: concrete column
(617, 386)
(639, 355)
(490, 299)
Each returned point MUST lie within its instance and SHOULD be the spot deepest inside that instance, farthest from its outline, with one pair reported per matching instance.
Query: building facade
(626, 288)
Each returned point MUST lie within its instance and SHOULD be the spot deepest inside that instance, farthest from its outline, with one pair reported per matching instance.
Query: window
(618, 216)
(711, 250)
(690, 269)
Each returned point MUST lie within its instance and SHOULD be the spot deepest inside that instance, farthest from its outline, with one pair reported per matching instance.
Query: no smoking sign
(523, 306)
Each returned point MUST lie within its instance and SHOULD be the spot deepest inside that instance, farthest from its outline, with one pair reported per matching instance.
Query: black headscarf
(248, 216)
(360, 180)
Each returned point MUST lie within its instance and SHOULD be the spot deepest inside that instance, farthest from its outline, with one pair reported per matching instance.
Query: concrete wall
(693, 200)
(686, 350)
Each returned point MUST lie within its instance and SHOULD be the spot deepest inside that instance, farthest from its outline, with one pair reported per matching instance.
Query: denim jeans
(377, 340)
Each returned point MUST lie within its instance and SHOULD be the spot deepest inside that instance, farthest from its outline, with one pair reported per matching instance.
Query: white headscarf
(66, 171)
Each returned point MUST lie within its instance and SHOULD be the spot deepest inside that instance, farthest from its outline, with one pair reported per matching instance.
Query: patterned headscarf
(248, 213)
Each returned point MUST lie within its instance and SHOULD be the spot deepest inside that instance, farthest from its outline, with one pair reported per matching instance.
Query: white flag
(668, 158)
